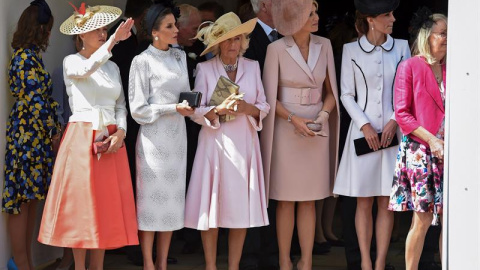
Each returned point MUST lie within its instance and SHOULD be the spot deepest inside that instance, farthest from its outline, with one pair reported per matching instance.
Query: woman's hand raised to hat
(123, 30)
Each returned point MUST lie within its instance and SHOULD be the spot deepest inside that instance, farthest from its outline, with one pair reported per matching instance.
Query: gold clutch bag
(224, 88)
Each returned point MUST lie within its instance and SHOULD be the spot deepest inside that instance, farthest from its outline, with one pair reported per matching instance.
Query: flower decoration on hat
(422, 19)
(82, 14)
(225, 27)
(211, 33)
(86, 19)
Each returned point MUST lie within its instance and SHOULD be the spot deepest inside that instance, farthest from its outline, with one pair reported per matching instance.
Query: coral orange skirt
(90, 202)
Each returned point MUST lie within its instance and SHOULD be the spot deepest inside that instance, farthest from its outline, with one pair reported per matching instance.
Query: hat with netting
(88, 19)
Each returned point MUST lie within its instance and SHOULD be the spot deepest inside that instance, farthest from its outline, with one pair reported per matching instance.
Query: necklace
(438, 75)
(229, 68)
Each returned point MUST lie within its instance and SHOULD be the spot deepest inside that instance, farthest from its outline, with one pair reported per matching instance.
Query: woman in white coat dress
(368, 72)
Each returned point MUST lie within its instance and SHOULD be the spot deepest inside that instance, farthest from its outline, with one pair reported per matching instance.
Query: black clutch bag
(193, 98)
(362, 148)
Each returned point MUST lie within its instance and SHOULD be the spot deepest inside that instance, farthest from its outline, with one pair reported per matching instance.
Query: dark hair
(157, 12)
(160, 17)
(30, 32)
(214, 7)
(135, 8)
(361, 22)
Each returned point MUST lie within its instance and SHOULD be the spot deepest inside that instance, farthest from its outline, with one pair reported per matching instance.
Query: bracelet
(289, 118)
(326, 112)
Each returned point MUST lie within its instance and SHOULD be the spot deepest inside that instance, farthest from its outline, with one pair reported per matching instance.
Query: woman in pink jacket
(420, 113)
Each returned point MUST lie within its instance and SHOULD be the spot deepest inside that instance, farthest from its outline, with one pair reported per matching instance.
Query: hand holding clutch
(193, 98)
(322, 120)
(225, 89)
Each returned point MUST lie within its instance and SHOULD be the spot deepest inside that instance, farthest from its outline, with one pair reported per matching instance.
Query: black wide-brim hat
(374, 7)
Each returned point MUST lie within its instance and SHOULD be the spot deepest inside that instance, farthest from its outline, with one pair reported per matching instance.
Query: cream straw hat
(87, 19)
(225, 27)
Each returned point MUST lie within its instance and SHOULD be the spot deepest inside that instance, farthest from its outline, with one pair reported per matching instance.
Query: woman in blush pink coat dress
(300, 86)
(227, 185)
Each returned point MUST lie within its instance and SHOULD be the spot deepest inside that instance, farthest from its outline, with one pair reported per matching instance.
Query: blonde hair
(243, 46)
(421, 45)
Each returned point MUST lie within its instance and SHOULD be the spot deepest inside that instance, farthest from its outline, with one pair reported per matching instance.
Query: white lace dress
(156, 80)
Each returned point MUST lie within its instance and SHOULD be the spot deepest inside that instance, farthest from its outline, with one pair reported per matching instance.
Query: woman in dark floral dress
(31, 127)
(420, 113)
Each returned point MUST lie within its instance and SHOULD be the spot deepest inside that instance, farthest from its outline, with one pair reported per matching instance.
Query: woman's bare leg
(383, 231)
(209, 241)
(416, 238)
(285, 224)
(306, 233)
(364, 228)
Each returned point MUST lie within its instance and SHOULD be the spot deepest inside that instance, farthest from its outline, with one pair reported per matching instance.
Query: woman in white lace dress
(157, 76)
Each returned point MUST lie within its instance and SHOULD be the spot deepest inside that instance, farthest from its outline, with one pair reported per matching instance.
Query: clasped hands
(371, 135)
(302, 129)
(234, 105)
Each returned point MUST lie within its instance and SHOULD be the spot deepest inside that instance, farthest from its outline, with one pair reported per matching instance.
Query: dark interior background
(328, 9)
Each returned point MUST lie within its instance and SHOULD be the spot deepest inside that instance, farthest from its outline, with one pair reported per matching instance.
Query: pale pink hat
(289, 16)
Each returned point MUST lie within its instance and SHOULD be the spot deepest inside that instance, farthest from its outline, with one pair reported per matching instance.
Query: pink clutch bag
(100, 147)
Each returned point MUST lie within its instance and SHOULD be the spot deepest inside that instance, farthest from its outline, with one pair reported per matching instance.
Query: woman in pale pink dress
(227, 185)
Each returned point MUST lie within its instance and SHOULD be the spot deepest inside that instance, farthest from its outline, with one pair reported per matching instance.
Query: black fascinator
(158, 7)
(421, 19)
(44, 12)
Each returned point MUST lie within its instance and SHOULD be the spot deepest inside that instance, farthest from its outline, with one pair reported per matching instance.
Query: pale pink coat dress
(299, 168)
(227, 186)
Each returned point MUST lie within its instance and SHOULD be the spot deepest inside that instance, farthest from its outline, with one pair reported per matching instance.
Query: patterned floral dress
(32, 122)
(418, 177)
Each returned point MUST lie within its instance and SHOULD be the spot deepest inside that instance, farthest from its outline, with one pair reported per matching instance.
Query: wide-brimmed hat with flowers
(225, 27)
(86, 19)
(289, 16)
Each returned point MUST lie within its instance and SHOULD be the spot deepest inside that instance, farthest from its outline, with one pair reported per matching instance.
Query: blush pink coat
(299, 168)
(227, 186)
(417, 99)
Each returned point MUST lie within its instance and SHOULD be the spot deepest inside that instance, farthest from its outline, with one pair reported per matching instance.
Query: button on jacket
(367, 78)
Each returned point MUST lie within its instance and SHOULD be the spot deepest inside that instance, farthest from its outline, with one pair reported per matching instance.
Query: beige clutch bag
(224, 88)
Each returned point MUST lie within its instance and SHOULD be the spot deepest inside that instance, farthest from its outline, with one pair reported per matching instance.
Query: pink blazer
(418, 101)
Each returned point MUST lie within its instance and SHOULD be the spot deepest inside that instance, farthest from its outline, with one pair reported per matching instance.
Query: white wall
(60, 46)
(4, 107)
(463, 118)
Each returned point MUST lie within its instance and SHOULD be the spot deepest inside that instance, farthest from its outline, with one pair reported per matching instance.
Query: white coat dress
(367, 78)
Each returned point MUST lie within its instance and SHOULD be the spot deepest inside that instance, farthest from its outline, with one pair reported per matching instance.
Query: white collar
(265, 27)
(367, 47)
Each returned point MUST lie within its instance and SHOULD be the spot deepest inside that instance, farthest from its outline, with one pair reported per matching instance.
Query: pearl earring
(156, 38)
(83, 48)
